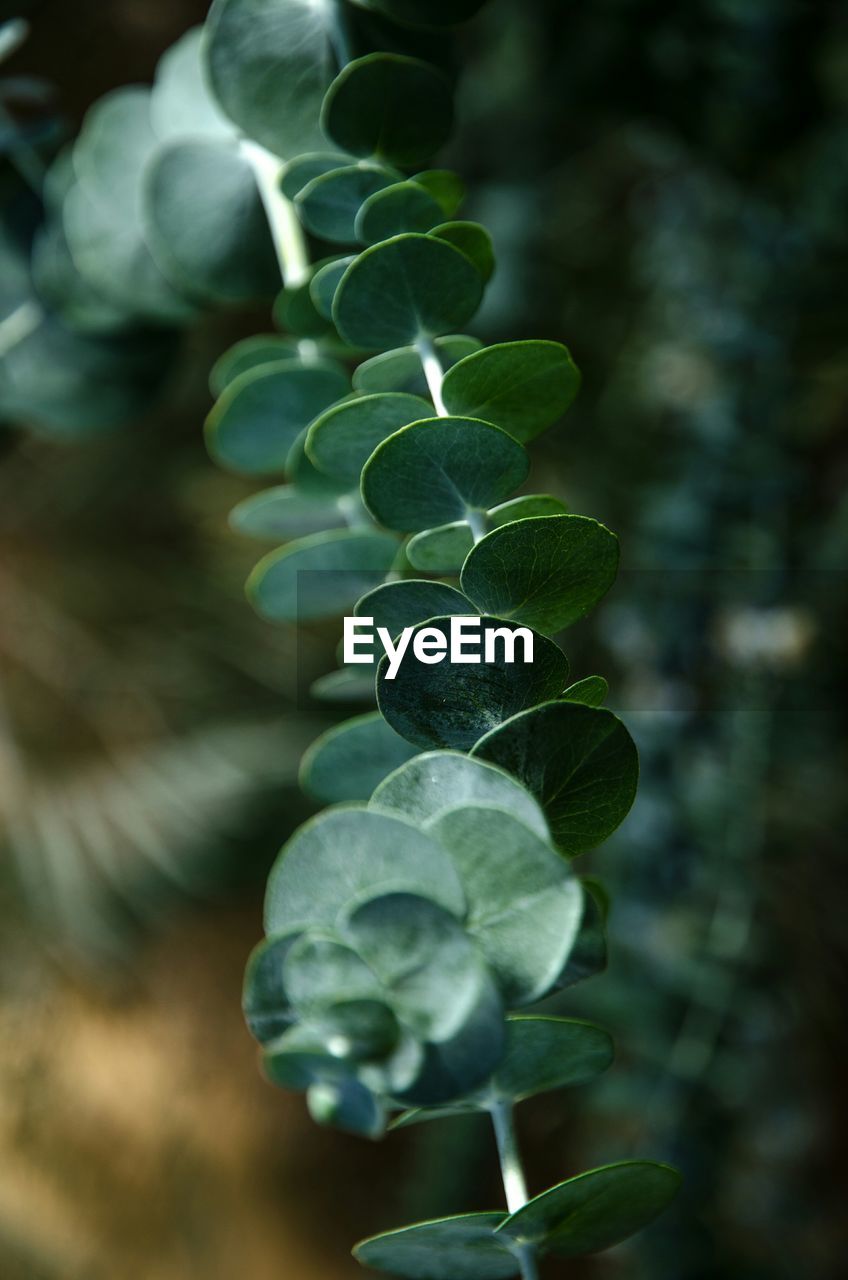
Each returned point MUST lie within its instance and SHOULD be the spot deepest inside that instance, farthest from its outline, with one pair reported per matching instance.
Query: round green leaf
(181, 104)
(445, 186)
(579, 762)
(329, 204)
(284, 512)
(452, 704)
(348, 855)
(524, 905)
(351, 759)
(521, 386)
(269, 64)
(461, 1248)
(445, 548)
(387, 105)
(342, 440)
(545, 1053)
(404, 207)
(441, 469)
(397, 605)
(319, 972)
(250, 353)
(298, 172)
(324, 283)
(476, 243)
(545, 571)
(402, 370)
(592, 690)
(321, 576)
(261, 413)
(405, 289)
(595, 1210)
(295, 310)
(206, 224)
(428, 786)
(114, 146)
(264, 1000)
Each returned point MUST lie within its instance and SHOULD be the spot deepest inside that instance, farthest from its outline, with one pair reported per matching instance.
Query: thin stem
(286, 231)
(17, 326)
(515, 1185)
(433, 372)
(478, 524)
(340, 36)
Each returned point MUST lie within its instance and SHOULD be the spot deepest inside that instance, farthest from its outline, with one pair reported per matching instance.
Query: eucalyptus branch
(289, 240)
(515, 1184)
(433, 372)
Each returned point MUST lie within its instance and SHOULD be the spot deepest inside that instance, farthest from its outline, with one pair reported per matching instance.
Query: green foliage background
(661, 186)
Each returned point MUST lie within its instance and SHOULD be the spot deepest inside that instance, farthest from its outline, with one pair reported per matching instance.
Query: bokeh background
(668, 192)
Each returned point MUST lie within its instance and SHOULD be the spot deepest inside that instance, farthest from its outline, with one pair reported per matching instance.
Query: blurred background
(668, 191)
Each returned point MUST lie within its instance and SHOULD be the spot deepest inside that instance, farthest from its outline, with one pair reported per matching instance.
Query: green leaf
(347, 1105)
(205, 222)
(181, 105)
(441, 469)
(67, 293)
(298, 172)
(579, 762)
(250, 353)
(342, 440)
(397, 605)
(313, 483)
(445, 548)
(349, 855)
(476, 243)
(351, 759)
(589, 953)
(546, 572)
(261, 413)
(325, 282)
(284, 512)
(445, 186)
(595, 1210)
(439, 987)
(402, 370)
(525, 906)
(321, 576)
(386, 105)
(542, 1054)
(349, 684)
(521, 386)
(461, 1248)
(430, 785)
(295, 310)
(264, 1000)
(319, 972)
(405, 289)
(452, 704)
(269, 64)
(592, 690)
(404, 207)
(328, 205)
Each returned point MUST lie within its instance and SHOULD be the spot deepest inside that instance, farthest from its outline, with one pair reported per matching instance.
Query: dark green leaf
(269, 64)
(592, 690)
(445, 186)
(439, 470)
(595, 1210)
(264, 1001)
(589, 953)
(348, 1106)
(321, 576)
(386, 105)
(546, 572)
(452, 704)
(250, 353)
(348, 855)
(402, 370)
(521, 386)
(476, 243)
(406, 289)
(428, 786)
(261, 413)
(396, 605)
(404, 207)
(284, 512)
(579, 762)
(298, 172)
(328, 205)
(323, 285)
(351, 759)
(445, 548)
(342, 440)
(462, 1248)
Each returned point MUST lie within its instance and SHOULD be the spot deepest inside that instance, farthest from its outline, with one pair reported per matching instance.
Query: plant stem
(433, 372)
(17, 326)
(515, 1185)
(478, 524)
(286, 231)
